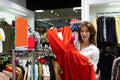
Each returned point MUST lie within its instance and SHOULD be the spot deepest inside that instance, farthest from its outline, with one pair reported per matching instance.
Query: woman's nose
(84, 32)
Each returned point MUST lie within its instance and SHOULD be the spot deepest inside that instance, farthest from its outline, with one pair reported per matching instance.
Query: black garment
(100, 38)
(45, 43)
(110, 31)
(106, 33)
(2, 67)
(113, 31)
(105, 64)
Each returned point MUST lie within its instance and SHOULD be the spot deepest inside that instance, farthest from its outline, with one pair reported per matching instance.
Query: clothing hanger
(59, 29)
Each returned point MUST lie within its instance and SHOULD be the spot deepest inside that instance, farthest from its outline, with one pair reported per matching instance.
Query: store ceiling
(52, 4)
(58, 14)
(62, 10)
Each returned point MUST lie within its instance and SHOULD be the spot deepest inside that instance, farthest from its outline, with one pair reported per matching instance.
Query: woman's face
(84, 33)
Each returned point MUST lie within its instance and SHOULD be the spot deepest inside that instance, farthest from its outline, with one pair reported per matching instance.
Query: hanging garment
(105, 64)
(40, 71)
(115, 68)
(117, 24)
(9, 39)
(57, 70)
(46, 72)
(35, 72)
(2, 38)
(75, 65)
(4, 77)
(118, 73)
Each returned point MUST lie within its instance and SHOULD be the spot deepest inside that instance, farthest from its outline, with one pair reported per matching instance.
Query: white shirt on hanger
(2, 39)
(60, 35)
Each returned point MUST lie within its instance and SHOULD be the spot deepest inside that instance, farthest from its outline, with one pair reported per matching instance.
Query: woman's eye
(84, 31)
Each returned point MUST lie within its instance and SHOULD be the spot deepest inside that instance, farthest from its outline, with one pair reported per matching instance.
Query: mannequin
(36, 35)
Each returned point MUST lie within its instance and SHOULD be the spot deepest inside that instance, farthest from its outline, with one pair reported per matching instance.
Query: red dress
(75, 66)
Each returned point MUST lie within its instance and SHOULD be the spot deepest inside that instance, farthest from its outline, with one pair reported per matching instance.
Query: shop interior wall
(98, 6)
(6, 6)
(102, 1)
(103, 8)
(89, 11)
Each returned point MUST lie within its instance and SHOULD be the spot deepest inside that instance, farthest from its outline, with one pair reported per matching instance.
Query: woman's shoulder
(94, 47)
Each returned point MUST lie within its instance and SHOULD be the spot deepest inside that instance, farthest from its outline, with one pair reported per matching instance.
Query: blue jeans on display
(35, 72)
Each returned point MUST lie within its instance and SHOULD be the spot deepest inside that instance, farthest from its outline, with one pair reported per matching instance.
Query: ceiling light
(76, 8)
(46, 19)
(114, 4)
(41, 20)
(113, 9)
(55, 13)
(17, 12)
(52, 11)
(39, 10)
(50, 23)
(66, 20)
(76, 11)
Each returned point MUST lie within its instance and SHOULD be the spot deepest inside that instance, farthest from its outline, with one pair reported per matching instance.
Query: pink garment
(7, 73)
(73, 37)
(4, 77)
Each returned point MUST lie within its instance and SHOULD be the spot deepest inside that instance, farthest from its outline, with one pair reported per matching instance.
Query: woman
(74, 65)
(86, 43)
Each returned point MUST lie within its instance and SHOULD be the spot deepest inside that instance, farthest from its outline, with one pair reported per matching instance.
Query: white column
(85, 10)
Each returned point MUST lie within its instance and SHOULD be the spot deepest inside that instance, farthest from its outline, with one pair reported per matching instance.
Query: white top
(46, 72)
(60, 35)
(36, 34)
(91, 52)
(3, 39)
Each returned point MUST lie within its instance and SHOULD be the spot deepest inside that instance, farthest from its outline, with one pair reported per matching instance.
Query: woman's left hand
(90, 62)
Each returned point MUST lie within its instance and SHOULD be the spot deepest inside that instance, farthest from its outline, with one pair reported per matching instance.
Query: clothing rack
(9, 54)
(108, 14)
(5, 54)
(14, 56)
(29, 53)
(46, 51)
(26, 53)
(2, 18)
(43, 51)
